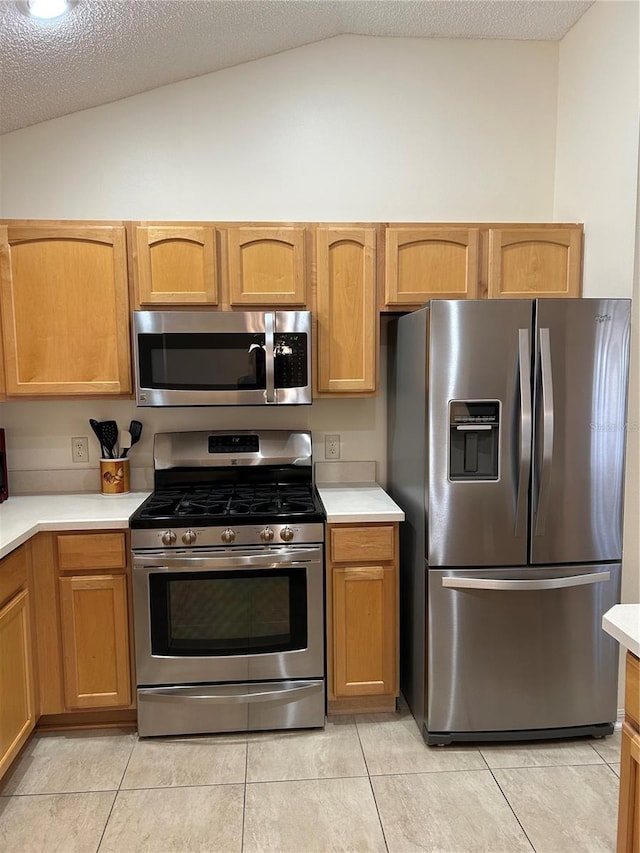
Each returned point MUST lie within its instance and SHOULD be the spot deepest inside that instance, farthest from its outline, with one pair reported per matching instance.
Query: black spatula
(135, 428)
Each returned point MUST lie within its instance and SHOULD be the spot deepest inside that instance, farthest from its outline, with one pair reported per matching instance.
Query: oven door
(212, 616)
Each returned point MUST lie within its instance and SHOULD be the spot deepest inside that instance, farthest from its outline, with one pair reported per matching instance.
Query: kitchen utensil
(125, 443)
(96, 426)
(109, 438)
(135, 428)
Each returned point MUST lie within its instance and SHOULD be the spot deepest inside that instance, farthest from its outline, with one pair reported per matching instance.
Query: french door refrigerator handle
(524, 371)
(547, 432)
(516, 585)
(269, 329)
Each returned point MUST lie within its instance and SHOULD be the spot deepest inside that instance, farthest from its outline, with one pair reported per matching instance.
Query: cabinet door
(347, 318)
(364, 630)
(65, 314)
(629, 805)
(266, 266)
(95, 646)
(535, 262)
(17, 714)
(429, 263)
(175, 265)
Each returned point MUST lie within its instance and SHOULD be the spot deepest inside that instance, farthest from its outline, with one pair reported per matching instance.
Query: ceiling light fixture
(46, 10)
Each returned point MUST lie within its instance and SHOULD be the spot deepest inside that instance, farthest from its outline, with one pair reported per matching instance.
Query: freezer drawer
(520, 650)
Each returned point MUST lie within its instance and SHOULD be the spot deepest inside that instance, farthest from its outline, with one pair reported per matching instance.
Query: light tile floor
(365, 783)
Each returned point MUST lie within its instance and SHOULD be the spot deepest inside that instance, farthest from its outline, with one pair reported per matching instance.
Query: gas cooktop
(210, 485)
(220, 504)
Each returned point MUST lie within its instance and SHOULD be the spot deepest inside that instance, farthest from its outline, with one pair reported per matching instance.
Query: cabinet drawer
(632, 689)
(13, 573)
(91, 551)
(354, 544)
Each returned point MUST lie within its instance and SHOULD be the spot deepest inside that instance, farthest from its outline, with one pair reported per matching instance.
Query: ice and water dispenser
(474, 439)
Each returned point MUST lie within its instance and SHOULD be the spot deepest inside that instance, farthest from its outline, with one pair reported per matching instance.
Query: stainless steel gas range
(228, 585)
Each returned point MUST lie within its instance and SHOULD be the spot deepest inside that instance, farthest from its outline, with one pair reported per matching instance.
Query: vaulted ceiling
(110, 49)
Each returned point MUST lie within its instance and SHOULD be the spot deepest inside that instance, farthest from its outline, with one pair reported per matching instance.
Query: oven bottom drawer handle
(212, 696)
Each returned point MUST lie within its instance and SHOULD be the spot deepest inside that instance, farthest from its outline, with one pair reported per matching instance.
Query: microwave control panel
(290, 360)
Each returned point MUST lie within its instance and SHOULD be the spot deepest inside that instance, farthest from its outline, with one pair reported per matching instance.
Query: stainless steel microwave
(220, 358)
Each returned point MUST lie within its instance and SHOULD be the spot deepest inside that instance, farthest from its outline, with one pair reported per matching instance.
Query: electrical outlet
(80, 449)
(332, 447)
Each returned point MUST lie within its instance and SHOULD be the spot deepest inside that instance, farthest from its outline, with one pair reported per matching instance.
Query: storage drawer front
(632, 688)
(355, 544)
(13, 574)
(87, 551)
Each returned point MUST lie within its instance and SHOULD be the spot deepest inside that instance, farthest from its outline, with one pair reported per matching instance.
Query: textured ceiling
(104, 51)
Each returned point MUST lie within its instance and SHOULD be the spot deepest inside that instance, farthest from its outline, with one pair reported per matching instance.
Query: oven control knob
(169, 537)
(266, 535)
(189, 537)
(286, 534)
(228, 536)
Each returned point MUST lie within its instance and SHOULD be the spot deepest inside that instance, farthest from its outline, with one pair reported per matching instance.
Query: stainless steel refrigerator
(507, 426)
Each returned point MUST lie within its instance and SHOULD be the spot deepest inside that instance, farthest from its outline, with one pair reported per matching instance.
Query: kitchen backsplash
(39, 434)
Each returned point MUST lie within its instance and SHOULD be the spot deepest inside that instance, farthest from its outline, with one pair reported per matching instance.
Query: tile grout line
(373, 793)
(244, 793)
(119, 788)
(506, 799)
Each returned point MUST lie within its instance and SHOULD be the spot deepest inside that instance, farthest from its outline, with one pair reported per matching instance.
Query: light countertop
(622, 621)
(358, 502)
(22, 517)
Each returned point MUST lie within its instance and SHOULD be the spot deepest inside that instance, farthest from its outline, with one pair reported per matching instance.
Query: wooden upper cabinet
(532, 262)
(65, 309)
(175, 264)
(266, 266)
(347, 317)
(430, 262)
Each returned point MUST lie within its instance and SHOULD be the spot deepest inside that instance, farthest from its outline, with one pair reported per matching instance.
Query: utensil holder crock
(114, 476)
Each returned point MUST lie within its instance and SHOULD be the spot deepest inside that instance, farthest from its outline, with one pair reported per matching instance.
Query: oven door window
(228, 613)
(202, 362)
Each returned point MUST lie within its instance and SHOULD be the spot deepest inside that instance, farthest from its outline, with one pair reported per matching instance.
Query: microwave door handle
(547, 432)
(524, 370)
(269, 323)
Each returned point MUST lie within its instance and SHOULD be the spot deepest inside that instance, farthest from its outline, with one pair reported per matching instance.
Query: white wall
(353, 128)
(597, 146)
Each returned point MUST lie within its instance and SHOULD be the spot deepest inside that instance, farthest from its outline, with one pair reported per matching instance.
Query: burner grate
(235, 500)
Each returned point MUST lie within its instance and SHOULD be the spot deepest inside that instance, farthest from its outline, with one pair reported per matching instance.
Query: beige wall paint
(353, 128)
(597, 141)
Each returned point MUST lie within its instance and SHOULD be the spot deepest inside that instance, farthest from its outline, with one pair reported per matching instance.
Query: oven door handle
(164, 563)
(207, 695)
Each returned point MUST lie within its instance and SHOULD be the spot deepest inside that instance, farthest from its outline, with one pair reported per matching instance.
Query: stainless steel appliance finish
(507, 437)
(228, 585)
(215, 358)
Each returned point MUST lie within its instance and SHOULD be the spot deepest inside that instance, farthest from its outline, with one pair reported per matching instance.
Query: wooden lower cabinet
(95, 646)
(17, 687)
(83, 612)
(629, 804)
(17, 709)
(362, 620)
